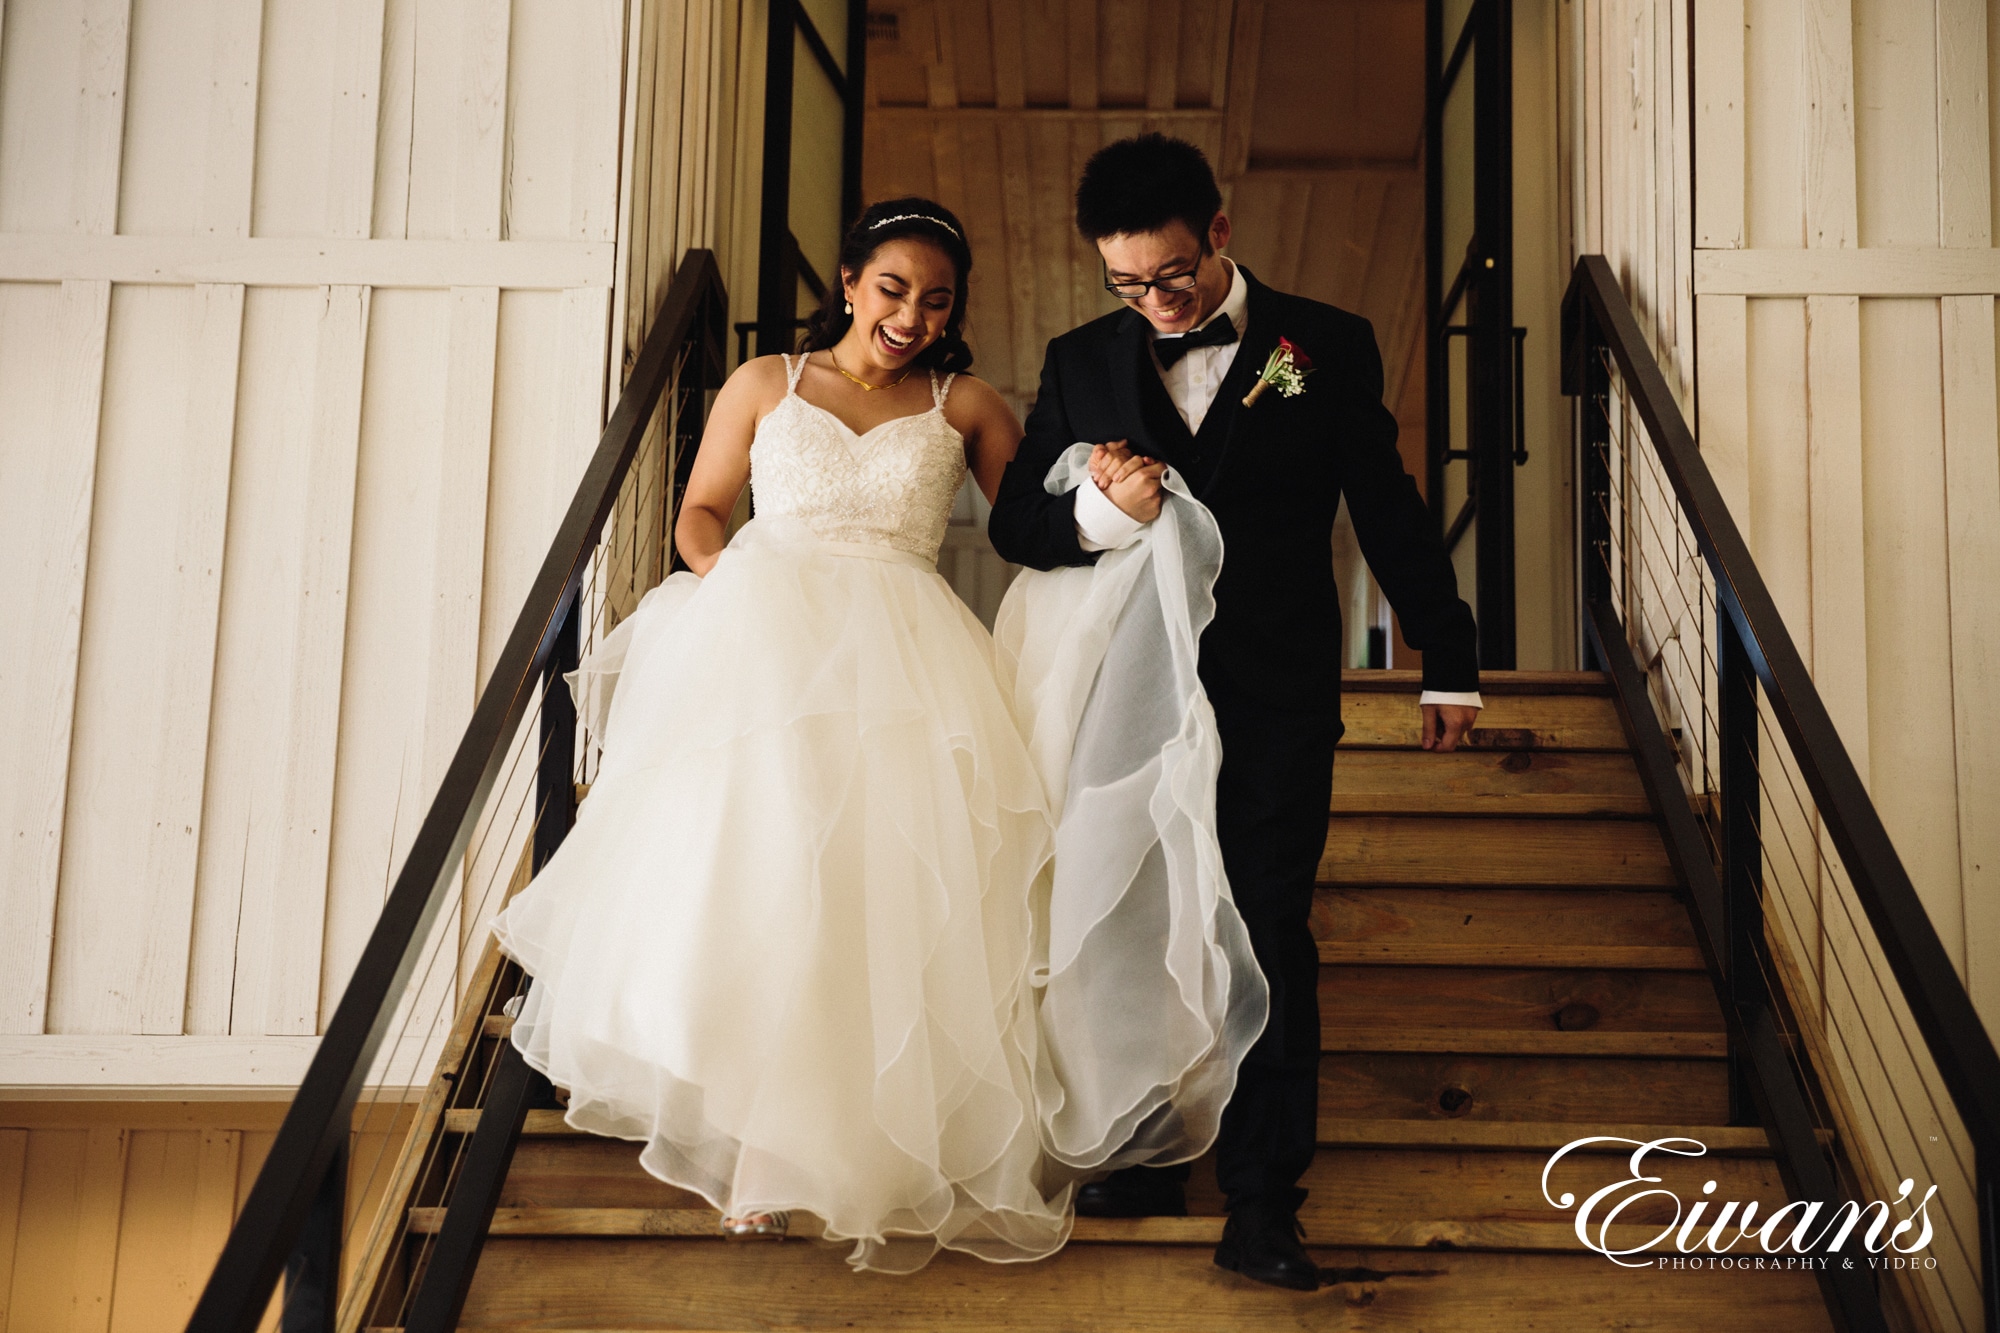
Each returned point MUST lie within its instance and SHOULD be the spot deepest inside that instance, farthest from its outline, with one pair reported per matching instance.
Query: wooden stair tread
(1338, 1133)
(1518, 999)
(1385, 719)
(1361, 680)
(1469, 1087)
(1499, 852)
(1503, 1041)
(641, 1285)
(1488, 782)
(1499, 1041)
(703, 1224)
(1684, 958)
(1354, 915)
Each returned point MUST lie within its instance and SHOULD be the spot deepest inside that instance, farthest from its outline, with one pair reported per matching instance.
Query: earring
(849, 308)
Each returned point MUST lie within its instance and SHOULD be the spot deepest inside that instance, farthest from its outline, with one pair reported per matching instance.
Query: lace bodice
(892, 485)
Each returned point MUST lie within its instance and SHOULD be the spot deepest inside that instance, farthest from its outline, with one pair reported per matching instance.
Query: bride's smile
(902, 299)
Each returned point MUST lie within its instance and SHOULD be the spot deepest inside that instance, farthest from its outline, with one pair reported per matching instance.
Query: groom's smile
(1166, 275)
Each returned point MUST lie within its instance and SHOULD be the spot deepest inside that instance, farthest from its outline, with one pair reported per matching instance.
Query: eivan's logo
(1790, 1225)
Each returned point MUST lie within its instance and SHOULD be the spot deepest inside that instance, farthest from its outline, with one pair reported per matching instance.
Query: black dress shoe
(1135, 1191)
(1261, 1241)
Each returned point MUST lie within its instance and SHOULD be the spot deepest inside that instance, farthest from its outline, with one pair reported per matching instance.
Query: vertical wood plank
(395, 119)
(1010, 80)
(941, 64)
(948, 162)
(1907, 588)
(1718, 123)
(1971, 501)
(173, 838)
(13, 1164)
(1965, 130)
(44, 699)
(992, 300)
(72, 1191)
(101, 1204)
(100, 115)
(297, 925)
(1829, 141)
(154, 1261)
(1017, 215)
(357, 68)
(1721, 338)
(228, 163)
(1088, 298)
(482, 120)
(1163, 54)
(1083, 54)
(1221, 24)
(458, 568)
(1834, 471)
(1246, 41)
(596, 143)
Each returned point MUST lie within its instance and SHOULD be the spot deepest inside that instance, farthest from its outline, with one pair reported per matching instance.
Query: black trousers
(1271, 811)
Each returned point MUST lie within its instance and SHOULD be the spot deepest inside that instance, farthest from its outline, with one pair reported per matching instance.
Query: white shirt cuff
(1100, 524)
(1467, 700)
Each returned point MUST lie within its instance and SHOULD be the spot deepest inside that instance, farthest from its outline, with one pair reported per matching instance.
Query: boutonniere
(1287, 368)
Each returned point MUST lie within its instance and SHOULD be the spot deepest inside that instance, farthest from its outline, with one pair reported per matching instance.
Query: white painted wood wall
(1818, 275)
(304, 316)
(1799, 198)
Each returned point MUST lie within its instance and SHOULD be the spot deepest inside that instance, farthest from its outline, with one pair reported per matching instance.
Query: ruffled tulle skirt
(787, 945)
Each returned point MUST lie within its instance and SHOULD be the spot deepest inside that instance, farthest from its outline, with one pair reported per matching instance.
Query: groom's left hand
(1446, 724)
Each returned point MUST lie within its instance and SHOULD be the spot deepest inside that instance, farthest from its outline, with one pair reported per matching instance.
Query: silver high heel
(756, 1224)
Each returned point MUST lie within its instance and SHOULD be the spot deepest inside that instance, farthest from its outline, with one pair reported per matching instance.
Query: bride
(797, 940)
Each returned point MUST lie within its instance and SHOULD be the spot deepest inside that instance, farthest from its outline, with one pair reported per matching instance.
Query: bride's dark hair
(897, 219)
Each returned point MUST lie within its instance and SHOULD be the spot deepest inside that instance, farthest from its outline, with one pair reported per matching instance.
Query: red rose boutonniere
(1287, 369)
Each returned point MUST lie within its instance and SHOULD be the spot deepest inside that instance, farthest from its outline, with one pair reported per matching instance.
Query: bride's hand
(1137, 490)
(1112, 462)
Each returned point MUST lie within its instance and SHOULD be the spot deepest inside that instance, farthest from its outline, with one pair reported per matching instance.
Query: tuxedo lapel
(1227, 418)
(1143, 401)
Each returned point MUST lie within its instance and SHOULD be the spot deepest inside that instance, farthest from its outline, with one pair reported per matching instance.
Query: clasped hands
(1131, 481)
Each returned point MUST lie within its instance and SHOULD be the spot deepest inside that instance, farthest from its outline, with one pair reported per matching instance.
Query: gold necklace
(864, 383)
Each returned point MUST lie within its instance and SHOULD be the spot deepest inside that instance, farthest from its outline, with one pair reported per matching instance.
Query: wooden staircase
(1506, 965)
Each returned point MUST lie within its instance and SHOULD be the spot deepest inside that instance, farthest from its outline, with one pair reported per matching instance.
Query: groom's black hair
(1143, 183)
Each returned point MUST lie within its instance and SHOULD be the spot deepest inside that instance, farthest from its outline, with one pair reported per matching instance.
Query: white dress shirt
(1192, 382)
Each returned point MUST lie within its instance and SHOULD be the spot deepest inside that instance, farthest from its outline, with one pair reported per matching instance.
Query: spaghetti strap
(792, 372)
(938, 395)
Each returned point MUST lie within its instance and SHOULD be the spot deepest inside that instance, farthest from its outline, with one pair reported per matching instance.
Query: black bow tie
(1218, 332)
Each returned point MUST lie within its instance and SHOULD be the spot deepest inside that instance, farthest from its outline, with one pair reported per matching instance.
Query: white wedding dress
(796, 942)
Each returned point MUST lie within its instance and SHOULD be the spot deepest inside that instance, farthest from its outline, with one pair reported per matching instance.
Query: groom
(1161, 384)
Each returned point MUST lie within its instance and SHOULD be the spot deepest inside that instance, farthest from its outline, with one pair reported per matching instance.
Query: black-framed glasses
(1177, 282)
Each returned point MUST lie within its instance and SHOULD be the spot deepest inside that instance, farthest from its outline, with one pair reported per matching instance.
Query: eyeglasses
(1178, 282)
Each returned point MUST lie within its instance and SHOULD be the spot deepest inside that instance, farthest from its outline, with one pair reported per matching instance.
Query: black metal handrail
(1754, 648)
(300, 1173)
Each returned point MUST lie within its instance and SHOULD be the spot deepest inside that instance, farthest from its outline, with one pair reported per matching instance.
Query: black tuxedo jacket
(1273, 475)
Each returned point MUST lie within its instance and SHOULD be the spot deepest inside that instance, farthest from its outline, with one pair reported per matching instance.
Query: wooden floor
(1505, 967)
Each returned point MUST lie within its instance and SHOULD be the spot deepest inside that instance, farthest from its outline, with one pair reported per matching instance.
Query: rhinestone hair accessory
(916, 217)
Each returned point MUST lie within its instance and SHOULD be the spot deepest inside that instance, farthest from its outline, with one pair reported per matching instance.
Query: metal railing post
(1986, 1184)
(1594, 440)
(1742, 841)
(555, 772)
(311, 1294)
